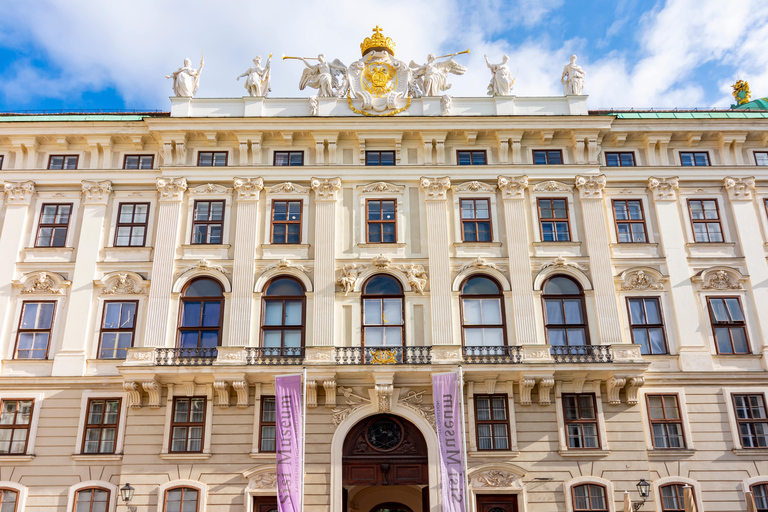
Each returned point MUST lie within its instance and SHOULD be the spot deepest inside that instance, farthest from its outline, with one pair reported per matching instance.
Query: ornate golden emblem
(384, 356)
(379, 79)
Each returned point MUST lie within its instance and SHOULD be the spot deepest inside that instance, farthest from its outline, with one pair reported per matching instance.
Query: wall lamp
(644, 490)
(126, 492)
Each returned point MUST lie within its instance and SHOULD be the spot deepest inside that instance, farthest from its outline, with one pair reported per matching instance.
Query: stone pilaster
(247, 191)
(523, 301)
(171, 194)
(596, 236)
(71, 358)
(438, 241)
(326, 196)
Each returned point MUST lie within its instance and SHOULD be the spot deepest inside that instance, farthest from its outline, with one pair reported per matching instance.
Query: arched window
(760, 493)
(282, 316)
(482, 313)
(382, 312)
(181, 499)
(202, 302)
(91, 499)
(564, 315)
(589, 497)
(9, 499)
(673, 498)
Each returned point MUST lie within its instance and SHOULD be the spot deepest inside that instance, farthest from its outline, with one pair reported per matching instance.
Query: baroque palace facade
(600, 277)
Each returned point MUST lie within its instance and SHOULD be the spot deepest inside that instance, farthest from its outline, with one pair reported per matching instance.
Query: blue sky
(89, 54)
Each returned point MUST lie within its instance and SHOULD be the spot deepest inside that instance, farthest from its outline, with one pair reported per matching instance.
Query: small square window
(286, 222)
(630, 222)
(705, 220)
(471, 157)
(188, 424)
(492, 421)
(381, 221)
(475, 220)
(289, 158)
(131, 229)
(761, 158)
(138, 161)
(379, 158)
(580, 412)
(118, 326)
(694, 158)
(547, 157)
(666, 422)
(752, 420)
(101, 421)
(267, 426)
(53, 225)
(34, 335)
(212, 159)
(647, 325)
(553, 220)
(728, 325)
(15, 419)
(63, 162)
(620, 159)
(208, 222)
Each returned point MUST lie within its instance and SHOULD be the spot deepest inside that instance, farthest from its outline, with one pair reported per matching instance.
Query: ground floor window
(497, 503)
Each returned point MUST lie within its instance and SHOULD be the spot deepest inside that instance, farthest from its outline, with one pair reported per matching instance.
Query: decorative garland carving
(720, 280)
(263, 481)
(480, 263)
(552, 186)
(210, 188)
(287, 188)
(415, 402)
(562, 262)
(381, 186)
(353, 402)
(43, 284)
(285, 263)
(473, 186)
(496, 478)
(204, 264)
(640, 280)
(415, 274)
(123, 284)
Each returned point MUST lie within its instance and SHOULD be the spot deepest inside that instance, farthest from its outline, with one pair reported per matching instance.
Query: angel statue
(324, 76)
(502, 80)
(186, 79)
(432, 77)
(573, 78)
(257, 78)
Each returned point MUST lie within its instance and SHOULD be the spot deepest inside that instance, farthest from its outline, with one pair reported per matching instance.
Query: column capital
(19, 192)
(171, 189)
(740, 189)
(513, 187)
(664, 189)
(248, 189)
(435, 188)
(591, 187)
(96, 192)
(326, 189)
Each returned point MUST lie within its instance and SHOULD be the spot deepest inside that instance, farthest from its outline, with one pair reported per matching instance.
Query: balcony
(493, 355)
(582, 354)
(383, 355)
(185, 356)
(277, 356)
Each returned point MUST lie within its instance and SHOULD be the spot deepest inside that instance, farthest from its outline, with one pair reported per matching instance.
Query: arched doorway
(382, 455)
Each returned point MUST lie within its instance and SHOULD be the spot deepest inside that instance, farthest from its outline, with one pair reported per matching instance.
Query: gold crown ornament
(377, 42)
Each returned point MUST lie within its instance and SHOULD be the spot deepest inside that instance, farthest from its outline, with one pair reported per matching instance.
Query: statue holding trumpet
(326, 77)
(431, 79)
(257, 78)
(186, 79)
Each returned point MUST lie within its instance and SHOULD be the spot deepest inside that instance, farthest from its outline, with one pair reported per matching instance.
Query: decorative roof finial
(377, 42)
(741, 93)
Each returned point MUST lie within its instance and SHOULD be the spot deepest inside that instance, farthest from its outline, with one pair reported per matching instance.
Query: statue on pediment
(573, 78)
(257, 78)
(186, 79)
(432, 77)
(501, 79)
(326, 77)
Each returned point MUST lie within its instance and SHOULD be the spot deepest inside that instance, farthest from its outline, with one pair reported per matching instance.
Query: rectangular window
(694, 158)
(761, 158)
(666, 422)
(2, 157)
(286, 222)
(553, 219)
(117, 329)
(752, 421)
(53, 225)
(620, 159)
(34, 334)
(476, 220)
(547, 157)
(101, 425)
(267, 427)
(630, 221)
(208, 222)
(379, 158)
(705, 219)
(647, 324)
(471, 157)
(728, 325)
(286, 158)
(212, 158)
(492, 422)
(63, 162)
(138, 161)
(580, 414)
(15, 418)
(187, 424)
(381, 221)
(131, 228)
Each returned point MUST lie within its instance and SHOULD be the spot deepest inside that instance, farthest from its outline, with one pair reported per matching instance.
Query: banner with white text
(445, 389)
(288, 442)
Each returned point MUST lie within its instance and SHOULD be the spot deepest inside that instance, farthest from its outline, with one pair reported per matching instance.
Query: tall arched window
(282, 316)
(760, 493)
(202, 302)
(673, 498)
(9, 499)
(589, 497)
(482, 313)
(564, 314)
(382, 312)
(91, 499)
(181, 499)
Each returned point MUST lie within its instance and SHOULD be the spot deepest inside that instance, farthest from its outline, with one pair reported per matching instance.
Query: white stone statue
(432, 77)
(257, 78)
(502, 80)
(186, 80)
(573, 78)
(324, 76)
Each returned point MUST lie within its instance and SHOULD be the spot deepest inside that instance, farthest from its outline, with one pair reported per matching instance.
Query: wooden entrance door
(264, 504)
(497, 503)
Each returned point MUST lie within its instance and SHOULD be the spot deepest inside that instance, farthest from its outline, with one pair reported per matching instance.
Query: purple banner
(445, 390)
(288, 442)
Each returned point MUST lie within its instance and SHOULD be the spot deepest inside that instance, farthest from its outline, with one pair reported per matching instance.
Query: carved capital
(241, 388)
(513, 187)
(152, 387)
(19, 192)
(614, 385)
(664, 189)
(525, 385)
(311, 394)
(633, 386)
(384, 397)
(435, 188)
(326, 189)
(248, 189)
(222, 390)
(134, 394)
(96, 192)
(591, 187)
(740, 189)
(545, 386)
(171, 189)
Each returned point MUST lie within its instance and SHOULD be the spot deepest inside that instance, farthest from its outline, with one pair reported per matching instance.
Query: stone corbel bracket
(153, 388)
(614, 385)
(311, 394)
(134, 394)
(330, 393)
(241, 388)
(545, 387)
(222, 390)
(525, 385)
(631, 386)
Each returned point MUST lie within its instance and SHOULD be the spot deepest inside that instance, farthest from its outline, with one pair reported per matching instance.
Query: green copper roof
(690, 115)
(758, 104)
(31, 118)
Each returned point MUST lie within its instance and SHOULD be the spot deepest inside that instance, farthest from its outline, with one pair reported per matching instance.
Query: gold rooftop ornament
(741, 92)
(377, 42)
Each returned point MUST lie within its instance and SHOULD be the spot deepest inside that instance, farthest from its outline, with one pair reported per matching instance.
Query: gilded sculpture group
(332, 79)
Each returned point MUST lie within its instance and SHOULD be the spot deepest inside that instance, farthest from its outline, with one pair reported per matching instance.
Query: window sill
(384, 245)
(562, 244)
(98, 456)
(262, 456)
(15, 458)
(184, 456)
(285, 246)
(493, 454)
(187, 247)
(670, 453)
(48, 253)
(762, 452)
(633, 245)
(584, 453)
(477, 244)
(711, 244)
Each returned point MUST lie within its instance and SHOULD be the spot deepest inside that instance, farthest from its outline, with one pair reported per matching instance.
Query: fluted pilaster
(326, 196)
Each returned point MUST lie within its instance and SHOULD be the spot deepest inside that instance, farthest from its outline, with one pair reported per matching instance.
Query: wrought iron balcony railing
(185, 356)
(277, 356)
(383, 355)
(493, 355)
(582, 354)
